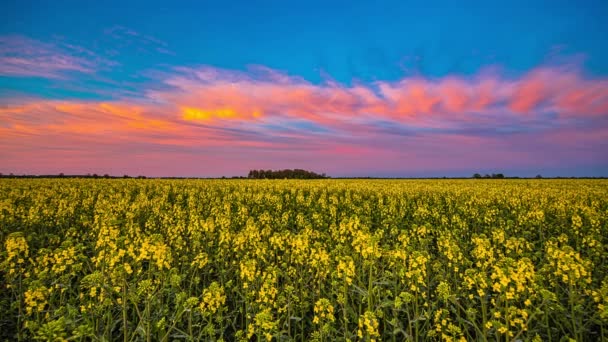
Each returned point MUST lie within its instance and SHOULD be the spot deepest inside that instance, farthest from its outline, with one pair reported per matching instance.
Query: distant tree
(106, 176)
(61, 175)
(539, 176)
(477, 175)
(284, 174)
(498, 175)
(126, 176)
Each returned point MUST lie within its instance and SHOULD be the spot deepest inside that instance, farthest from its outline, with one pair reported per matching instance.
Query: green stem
(416, 332)
(572, 315)
(369, 288)
(124, 311)
(177, 318)
(147, 319)
(344, 318)
(190, 324)
(472, 320)
(484, 316)
(20, 308)
(547, 325)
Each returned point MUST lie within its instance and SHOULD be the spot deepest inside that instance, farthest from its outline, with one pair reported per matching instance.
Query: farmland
(293, 260)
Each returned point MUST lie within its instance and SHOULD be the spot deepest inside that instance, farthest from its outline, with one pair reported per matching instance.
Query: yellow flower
(212, 299)
(368, 325)
(346, 269)
(324, 311)
(35, 299)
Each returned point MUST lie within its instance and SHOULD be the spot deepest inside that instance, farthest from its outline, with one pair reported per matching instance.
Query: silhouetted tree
(284, 174)
(493, 176)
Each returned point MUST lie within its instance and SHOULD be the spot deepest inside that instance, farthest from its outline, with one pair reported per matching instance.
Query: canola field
(293, 260)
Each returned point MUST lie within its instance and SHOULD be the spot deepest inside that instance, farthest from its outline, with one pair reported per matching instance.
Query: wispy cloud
(266, 118)
(210, 94)
(125, 37)
(25, 57)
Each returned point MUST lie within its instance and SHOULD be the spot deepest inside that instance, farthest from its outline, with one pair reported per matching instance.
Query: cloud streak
(24, 57)
(260, 118)
(209, 94)
(125, 37)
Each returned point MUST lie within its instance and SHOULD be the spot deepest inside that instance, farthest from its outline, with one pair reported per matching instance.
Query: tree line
(501, 176)
(282, 174)
(494, 176)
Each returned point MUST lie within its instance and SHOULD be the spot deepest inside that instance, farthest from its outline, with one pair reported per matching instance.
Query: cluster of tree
(493, 176)
(279, 174)
(282, 174)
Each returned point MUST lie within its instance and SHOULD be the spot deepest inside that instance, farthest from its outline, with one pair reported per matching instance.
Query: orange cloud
(215, 109)
(197, 114)
(215, 95)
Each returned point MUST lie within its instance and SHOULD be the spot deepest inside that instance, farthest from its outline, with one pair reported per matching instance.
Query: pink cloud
(590, 97)
(21, 56)
(564, 92)
(457, 95)
(265, 118)
(228, 98)
(530, 92)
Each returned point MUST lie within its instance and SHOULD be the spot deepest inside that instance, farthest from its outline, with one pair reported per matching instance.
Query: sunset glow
(135, 98)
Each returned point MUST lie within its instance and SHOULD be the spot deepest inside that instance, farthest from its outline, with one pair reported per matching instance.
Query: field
(288, 260)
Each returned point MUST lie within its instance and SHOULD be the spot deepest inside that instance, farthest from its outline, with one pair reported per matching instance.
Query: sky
(346, 88)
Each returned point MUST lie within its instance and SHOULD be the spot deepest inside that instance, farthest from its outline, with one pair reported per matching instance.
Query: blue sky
(345, 39)
(131, 53)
